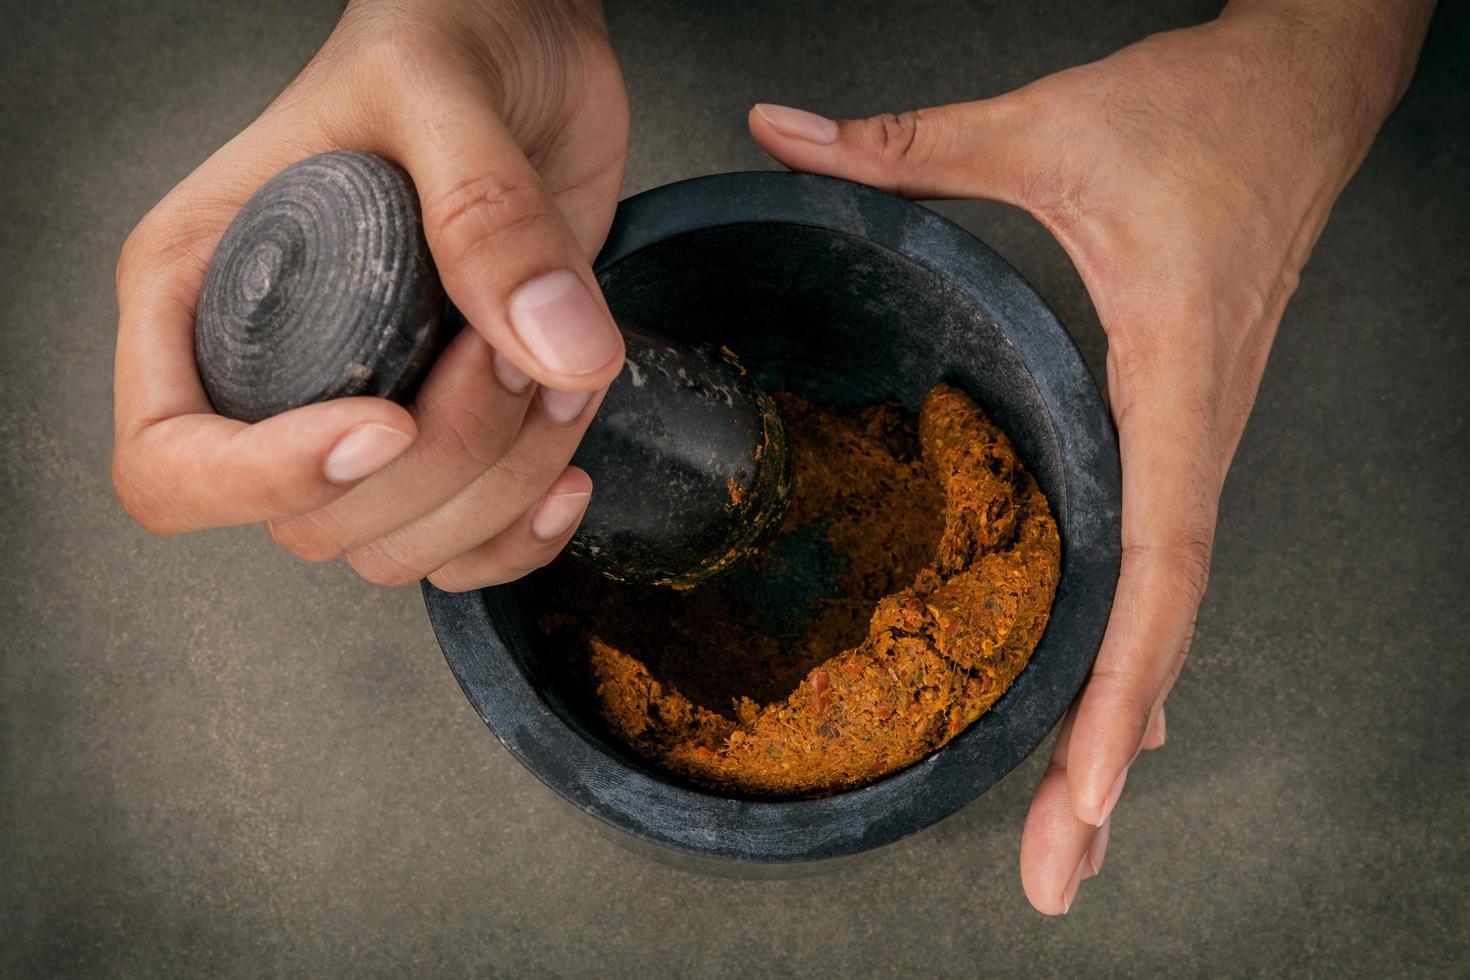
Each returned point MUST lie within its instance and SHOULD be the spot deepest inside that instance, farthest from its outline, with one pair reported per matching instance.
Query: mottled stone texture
(846, 296)
(322, 287)
(215, 760)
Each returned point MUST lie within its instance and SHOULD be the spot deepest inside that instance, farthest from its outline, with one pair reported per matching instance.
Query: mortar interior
(832, 317)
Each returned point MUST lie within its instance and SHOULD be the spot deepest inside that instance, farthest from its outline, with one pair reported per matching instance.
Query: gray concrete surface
(215, 760)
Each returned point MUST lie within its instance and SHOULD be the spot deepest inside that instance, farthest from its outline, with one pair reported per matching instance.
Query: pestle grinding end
(688, 420)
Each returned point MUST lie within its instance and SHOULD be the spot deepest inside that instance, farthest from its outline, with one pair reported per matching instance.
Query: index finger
(506, 255)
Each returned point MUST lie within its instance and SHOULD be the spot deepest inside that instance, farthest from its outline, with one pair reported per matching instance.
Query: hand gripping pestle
(323, 287)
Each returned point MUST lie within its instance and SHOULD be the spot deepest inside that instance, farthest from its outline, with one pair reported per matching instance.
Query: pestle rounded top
(322, 287)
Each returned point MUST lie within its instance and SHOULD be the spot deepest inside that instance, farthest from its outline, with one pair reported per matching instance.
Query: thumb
(969, 149)
(201, 470)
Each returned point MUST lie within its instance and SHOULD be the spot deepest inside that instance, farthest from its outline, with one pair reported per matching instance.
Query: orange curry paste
(941, 558)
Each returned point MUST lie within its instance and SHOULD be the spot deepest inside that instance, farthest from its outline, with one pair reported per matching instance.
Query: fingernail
(562, 325)
(363, 451)
(1070, 895)
(564, 407)
(556, 515)
(1098, 849)
(511, 378)
(1112, 798)
(799, 124)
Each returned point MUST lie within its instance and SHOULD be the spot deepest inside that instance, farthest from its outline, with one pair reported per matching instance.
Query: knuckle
(1146, 715)
(546, 553)
(277, 493)
(375, 564)
(1182, 563)
(304, 538)
(525, 467)
(465, 576)
(167, 239)
(1123, 693)
(453, 578)
(1176, 665)
(468, 434)
(534, 558)
(1191, 564)
(478, 211)
(131, 255)
(895, 135)
(899, 146)
(142, 505)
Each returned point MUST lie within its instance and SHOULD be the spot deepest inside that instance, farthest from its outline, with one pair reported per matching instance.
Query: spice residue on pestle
(911, 579)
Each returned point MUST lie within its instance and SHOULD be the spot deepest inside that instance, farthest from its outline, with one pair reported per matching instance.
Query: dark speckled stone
(844, 295)
(322, 287)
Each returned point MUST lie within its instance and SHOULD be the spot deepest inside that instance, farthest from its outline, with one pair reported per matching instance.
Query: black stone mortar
(845, 296)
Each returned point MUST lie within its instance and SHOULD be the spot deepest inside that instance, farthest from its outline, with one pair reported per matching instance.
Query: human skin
(1188, 177)
(512, 119)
